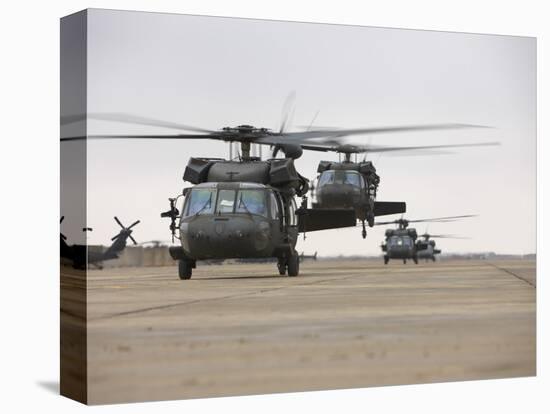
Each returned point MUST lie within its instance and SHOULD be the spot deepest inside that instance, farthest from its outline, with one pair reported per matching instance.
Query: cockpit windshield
(340, 177)
(200, 201)
(400, 241)
(224, 201)
(251, 201)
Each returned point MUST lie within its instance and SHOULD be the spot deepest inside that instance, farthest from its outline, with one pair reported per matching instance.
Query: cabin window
(273, 206)
(200, 201)
(252, 202)
(292, 220)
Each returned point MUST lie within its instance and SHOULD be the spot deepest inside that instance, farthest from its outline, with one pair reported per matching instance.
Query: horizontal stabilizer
(384, 208)
(326, 218)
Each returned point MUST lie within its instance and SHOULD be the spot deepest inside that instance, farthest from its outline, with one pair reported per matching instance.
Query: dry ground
(242, 329)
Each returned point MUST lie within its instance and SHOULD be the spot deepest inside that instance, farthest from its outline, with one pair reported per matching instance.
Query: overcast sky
(216, 72)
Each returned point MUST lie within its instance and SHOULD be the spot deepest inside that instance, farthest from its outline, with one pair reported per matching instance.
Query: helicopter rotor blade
(445, 236)
(133, 224)
(287, 111)
(116, 237)
(119, 223)
(152, 136)
(442, 219)
(133, 240)
(132, 119)
(357, 149)
(340, 133)
(61, 220)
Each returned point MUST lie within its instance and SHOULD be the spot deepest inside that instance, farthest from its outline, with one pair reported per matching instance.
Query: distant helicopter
(353, 184)
(80, 256)
(425, 246)
(401, 243)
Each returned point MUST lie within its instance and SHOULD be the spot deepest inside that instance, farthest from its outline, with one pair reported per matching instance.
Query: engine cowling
(293, 151)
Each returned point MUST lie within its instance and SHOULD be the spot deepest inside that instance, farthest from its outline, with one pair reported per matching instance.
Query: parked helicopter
(425, 246)
(80, 256)
(352, 184)
(401, 242)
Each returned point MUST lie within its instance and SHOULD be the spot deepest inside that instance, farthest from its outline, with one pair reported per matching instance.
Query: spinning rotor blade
(444, 236)
(133, 119)
(356, 149)
(133, 240)
(116, 237)
(156, 136)
(339, 133)
(287, 111)
(449, 218)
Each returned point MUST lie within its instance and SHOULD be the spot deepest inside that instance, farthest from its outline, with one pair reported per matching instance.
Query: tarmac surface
(238, 329)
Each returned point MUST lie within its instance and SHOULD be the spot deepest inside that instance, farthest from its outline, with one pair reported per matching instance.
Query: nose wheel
(290, 264)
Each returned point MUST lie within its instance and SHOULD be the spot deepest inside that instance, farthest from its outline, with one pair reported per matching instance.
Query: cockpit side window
(200, 201)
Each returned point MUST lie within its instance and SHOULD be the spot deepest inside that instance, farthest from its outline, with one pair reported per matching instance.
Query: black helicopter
(353, 184)
(425, 245)
(80, 256)
(245, 209)
(401, 243)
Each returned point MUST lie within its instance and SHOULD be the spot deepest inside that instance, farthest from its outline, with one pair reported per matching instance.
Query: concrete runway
(241, 329)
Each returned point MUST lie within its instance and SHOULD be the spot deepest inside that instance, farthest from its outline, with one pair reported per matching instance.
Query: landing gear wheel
(364, 232)
(370, 219)
(281, 265)
(404, 261)
(433, 258)
(185, 269)
(415, 260)
(293, 264)
(386, 260)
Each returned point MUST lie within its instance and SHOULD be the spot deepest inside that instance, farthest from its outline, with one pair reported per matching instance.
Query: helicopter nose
(338, 195)
(226, 237)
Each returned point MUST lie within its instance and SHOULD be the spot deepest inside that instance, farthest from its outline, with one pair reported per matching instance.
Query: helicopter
(225, 218)
(80, 256)
(401, 243)
(425, 246)
(353, 184)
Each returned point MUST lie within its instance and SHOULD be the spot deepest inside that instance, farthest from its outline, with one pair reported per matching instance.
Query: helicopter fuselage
(237, 220)
(353, 185)
(347, 185)
(400, 244)
(426, 249)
